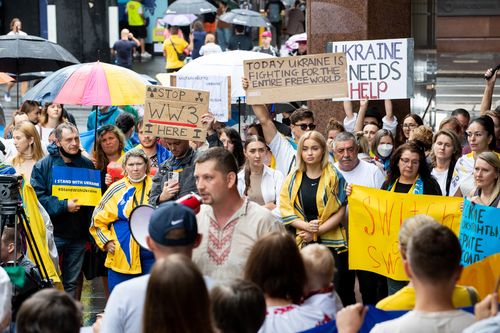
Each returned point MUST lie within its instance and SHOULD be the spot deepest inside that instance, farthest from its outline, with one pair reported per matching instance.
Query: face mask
(385, 149)
(286, 121)
(132, 180)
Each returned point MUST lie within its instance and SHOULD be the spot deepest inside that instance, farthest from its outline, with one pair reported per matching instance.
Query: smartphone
(172, 175)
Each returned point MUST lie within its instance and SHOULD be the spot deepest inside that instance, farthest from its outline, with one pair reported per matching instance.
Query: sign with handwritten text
(375, 217)
(479, 235)
(218, 86)
(175, 113)
(378, 69)
(275, 80)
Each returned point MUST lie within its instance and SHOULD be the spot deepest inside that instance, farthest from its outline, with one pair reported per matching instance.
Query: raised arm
(488, 91)
(363, 106)
(389, 113)
(263, 116)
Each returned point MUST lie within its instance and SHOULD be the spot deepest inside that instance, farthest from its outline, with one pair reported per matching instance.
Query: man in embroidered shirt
(230, 224)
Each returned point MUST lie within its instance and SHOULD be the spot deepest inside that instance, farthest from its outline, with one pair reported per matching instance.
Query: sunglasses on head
(304, 127)
(105, 128)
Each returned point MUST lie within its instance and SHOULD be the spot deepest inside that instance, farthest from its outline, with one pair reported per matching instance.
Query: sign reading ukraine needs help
(378, 69)
(175, 113)
(479, 232)
(301, 78)
(375, 217)
(77, 183)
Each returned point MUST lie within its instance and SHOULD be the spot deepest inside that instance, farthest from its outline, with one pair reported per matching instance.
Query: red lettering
(385, 220)
(372, 251)
(366, 205)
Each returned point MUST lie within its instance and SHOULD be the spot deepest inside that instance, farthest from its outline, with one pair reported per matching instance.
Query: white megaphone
(140, 216)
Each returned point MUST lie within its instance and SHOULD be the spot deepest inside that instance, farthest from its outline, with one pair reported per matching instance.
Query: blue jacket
(66, 225)
(106, 118)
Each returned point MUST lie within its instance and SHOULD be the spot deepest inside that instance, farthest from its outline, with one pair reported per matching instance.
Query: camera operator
(9, 257)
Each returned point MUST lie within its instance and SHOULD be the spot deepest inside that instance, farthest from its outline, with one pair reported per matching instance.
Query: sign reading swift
(175, 113)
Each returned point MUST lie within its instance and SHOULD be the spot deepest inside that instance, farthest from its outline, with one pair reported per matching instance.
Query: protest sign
(275, 80)
(479, 236)
(77, 183)
(375, 217)
(217, 86)
(175, 113)
(378, 69)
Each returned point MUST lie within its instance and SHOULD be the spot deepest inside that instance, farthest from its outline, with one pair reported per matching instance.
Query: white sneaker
(7, 97)
(146, 55)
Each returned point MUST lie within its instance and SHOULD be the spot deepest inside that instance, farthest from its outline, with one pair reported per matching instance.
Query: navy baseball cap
(173, 224)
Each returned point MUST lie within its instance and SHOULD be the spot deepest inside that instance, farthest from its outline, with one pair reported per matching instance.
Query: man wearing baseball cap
(172, 230)
(266, 46)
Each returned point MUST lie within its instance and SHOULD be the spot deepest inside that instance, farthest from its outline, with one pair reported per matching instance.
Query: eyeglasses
(475, 134)
(407, 161)
(410, 125)
(304, 127)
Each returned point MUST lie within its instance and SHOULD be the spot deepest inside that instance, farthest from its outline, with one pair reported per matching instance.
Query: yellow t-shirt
(134, 11)
(404, 299)
(168, 49)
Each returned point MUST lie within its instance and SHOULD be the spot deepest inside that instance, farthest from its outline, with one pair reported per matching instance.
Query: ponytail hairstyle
(250, 139)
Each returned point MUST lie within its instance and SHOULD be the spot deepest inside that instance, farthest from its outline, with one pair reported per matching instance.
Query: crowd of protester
(270, 237)
(268, 249)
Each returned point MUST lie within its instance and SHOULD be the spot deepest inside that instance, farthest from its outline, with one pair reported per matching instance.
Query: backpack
(274, 12)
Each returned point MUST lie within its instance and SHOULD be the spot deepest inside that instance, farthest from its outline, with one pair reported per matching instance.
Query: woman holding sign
(486, 177)
(109, 226)
(409, 173)
(313, 199)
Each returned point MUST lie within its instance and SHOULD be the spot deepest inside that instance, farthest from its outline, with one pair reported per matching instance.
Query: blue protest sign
(478, 232)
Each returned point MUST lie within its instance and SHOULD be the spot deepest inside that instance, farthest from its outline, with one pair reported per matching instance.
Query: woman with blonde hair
(177, 298)
(110, 220)
(313, 199)
(486, 178)
(445, 152)
(29, 148)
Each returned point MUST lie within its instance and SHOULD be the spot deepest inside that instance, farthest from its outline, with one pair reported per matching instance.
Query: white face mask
(384, 150)
(136, 180)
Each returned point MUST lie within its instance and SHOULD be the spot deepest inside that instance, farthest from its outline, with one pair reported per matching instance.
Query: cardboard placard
(219, 88)
(175, 113)
(301, 78)
(378, 69)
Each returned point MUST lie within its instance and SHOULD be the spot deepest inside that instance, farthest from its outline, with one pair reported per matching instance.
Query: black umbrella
(26, 54)
(196, 7)
(245, 17)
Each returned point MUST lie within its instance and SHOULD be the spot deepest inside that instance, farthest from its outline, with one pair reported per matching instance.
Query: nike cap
(173, 224)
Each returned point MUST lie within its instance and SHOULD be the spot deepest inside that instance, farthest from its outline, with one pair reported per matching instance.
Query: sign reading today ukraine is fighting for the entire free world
(77, 183)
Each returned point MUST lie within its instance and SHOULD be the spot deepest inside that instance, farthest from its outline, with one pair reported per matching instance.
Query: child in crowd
(319, 291)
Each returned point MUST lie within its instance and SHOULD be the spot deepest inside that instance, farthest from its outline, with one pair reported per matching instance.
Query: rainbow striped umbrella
(94, 83)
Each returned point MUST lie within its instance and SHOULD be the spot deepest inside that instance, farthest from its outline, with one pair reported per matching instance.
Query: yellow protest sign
(375, 217)
(175, 113)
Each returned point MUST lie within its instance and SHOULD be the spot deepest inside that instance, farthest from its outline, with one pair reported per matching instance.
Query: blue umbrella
(47, 89)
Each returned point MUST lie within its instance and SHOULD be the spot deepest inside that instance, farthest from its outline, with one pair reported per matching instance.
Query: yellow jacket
(110, 222)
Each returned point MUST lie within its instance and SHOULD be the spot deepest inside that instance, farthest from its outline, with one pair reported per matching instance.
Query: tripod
(12, 214)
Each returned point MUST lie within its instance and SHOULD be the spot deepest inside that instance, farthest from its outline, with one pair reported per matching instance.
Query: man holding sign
(69, 217)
